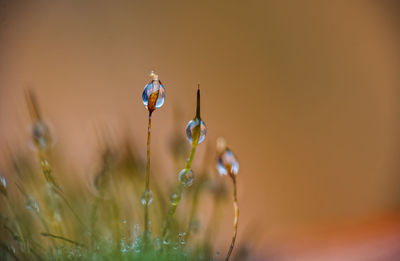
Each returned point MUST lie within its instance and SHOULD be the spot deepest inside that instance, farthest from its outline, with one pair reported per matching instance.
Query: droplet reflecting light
(41, 135)
(196, 129)
(3, 186)
(153, 94)
(147, 197)
(186, 177)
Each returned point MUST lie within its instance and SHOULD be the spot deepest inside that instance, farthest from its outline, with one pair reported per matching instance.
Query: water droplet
(227, 163)
(186, 177)
(166, 241)
(175, 246)
(41, 135)
(181, 237)
(31, 204)
(3, 185)
(175, 198)
(153, 94)
(147, 197)
(3, 181)
(196, 131)
(137, 244)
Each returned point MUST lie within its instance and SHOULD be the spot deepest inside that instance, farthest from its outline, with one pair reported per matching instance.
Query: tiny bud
(227, 163)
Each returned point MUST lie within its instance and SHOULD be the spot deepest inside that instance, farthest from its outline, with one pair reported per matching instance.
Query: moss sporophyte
(60, 219)
(227, 165)
(153, 98)
(195, 133)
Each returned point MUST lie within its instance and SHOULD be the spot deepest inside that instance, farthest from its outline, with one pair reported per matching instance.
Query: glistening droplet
(153, 94)
(3, 185)
(227, 163)
(41, 135)
(147, 197)
(31, 204)
(175, 198)
(196, 131)
(186, 177)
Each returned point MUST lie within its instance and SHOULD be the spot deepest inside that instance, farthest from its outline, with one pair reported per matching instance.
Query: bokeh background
(305, 92)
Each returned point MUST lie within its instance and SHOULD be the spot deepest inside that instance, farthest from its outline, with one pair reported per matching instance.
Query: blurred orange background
(305, 93)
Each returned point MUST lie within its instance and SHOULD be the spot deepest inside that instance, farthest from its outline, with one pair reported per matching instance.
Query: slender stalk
(18, 227)
(71, 208)
(196, 194)
(36, 211)
(178, 193)
(62, 238)
(236, 218)
(147, 188)
(191, 157)
(55, 188)
(93, 219)
(9, 251)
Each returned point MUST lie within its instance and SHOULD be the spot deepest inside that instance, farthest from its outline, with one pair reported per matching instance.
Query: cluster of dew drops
(226, 163)
(186, 176)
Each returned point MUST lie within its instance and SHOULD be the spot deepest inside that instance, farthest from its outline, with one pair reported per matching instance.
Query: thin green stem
(178, 194)
(191, 157)
(55, 188)
(35, 210)
(236, 218)
(93, 219)
(147, 188)
(60, 193)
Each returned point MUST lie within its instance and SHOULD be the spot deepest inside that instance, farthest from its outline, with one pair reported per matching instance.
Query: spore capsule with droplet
(41, 135)
(3, 185)
(196, 131)
(227, 163)
(153, 94)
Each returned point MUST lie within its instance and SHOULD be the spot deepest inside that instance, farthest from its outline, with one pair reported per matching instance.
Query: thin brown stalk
(236, 218)
(147, 189)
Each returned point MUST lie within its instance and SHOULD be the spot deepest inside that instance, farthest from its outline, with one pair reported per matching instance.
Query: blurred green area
(64, 218)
